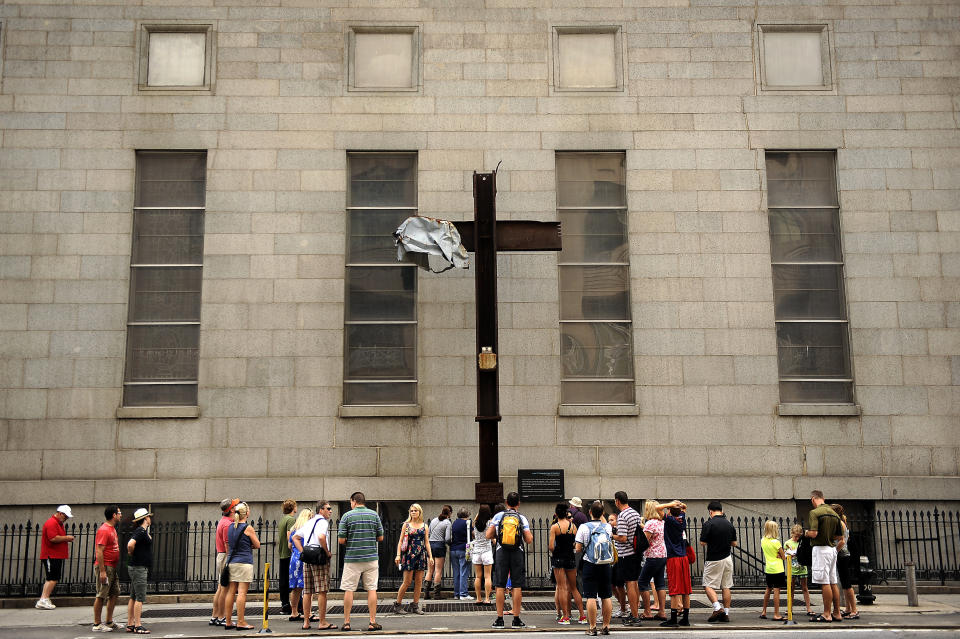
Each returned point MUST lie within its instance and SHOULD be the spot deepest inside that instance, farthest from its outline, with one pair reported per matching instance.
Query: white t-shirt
(309, 539)
(584, 531)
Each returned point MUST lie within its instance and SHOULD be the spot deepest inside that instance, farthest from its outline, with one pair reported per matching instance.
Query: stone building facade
(669, 116)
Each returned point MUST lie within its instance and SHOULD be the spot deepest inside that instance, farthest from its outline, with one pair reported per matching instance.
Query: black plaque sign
(540, 484)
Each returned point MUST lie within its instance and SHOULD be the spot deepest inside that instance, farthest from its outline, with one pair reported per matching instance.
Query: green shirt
(360, 528)
(283, 531)
(773, 563)
(828, 528)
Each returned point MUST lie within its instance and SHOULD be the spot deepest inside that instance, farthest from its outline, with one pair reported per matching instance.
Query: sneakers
(563, 621)
(498, 623)
(591, 632)
(518, 624)
(101, 627)
(605, 630)
(632, 621)
(582, 619)
(622, 613)
(44, 604)
(398, 608)
(718, 616)
(466, 598)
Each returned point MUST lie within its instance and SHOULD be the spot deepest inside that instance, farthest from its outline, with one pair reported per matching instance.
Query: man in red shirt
(53, 551)
(219, 617)
(107, 569)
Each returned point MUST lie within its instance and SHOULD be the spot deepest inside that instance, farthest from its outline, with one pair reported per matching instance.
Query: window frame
(597, 408)
(163, 410)
(377, 409)
(826, 57)
(620, 58)
(815, 406)
(416, 52)
(145, 29)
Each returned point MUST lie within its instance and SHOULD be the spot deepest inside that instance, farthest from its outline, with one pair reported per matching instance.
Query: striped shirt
(360, 527)
(627, 522)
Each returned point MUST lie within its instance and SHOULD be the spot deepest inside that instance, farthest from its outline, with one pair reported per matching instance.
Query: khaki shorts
(824, 568)
(241, 573)
(112, 587)
(221, 562)
(354, 570)
(718, 574)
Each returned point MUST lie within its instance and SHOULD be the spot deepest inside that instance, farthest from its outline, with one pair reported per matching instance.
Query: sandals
(779, 618)
(763, 616)
(374, 626)
(140, 630)
(346, 627)
(131, 628)
(295, 618)
(847, 615)
(821, 619)
(241, 628)
(314, 618)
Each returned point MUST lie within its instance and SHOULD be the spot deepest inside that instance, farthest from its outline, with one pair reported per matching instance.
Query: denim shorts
(653, 568)
(138, 583)
(439, 549)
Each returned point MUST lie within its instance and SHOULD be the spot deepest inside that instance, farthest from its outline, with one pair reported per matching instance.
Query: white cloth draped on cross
(431, 244)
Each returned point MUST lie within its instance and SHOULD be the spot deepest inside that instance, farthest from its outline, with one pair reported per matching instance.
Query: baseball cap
(65, 510)
(228, 504)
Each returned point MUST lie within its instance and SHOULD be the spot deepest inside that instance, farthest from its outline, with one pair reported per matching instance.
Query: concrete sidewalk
(189, 619)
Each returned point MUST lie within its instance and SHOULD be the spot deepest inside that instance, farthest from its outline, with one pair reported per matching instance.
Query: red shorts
(678, 576)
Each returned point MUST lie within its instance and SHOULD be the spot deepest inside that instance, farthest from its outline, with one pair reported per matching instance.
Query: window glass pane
(596, 349)
(803, 235)
(591, 179)
(165, 294)
(162, 353)
(379, 393)
(819, 392)
(381, 293)
(379, 180)
(176, 59)
(171, 179)
(381, 351)
(167, 237)
(594, 292)
(792, 58)
(813, 350)
(801, 179)
(160, 395)
(808, 292)
(606, 392)
(588, 60)
(594, 236)
(383, 60)
(371, 235)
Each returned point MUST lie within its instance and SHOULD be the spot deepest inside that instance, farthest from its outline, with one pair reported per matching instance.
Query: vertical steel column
(488, 388)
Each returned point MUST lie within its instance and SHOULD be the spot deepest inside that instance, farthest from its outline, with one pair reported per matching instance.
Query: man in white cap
(53, 552)
(140, 549)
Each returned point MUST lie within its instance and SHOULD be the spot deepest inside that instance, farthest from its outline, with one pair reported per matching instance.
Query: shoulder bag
(314, 554)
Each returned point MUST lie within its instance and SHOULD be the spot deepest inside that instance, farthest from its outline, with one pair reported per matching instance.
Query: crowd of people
(596, 556)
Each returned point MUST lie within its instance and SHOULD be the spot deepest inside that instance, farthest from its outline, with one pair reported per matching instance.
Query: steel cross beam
(485, 237)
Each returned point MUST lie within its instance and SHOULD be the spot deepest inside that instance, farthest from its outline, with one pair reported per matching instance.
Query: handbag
(225, 573)
(405, 540)
(314, 554)
(804, 552)
(468, 552)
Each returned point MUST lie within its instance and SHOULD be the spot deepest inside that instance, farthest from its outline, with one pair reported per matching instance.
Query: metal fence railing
(184, 553)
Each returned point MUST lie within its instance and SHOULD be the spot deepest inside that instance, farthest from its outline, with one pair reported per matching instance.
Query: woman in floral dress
(296, 566)
(413, 557)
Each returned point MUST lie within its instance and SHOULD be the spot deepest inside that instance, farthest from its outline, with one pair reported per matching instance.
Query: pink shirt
(657, 548)
(222, 530)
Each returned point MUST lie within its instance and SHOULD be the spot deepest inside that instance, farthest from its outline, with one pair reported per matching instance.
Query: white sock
(726, 611)
(717, 606)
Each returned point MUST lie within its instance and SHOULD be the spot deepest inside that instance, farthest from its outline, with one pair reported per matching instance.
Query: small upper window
(384, 59)
(176, 57)
(587, 59)
(795, 57)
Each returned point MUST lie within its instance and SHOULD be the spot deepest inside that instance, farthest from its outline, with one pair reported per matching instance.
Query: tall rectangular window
(813, 347)
(166, 271)
(380, 315)
(596, 345)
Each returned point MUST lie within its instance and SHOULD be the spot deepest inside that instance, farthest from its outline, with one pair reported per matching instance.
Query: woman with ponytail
(241, 540)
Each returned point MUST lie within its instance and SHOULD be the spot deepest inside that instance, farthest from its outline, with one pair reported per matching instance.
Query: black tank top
(563, 542)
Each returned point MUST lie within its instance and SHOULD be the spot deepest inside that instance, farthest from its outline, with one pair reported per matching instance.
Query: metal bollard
(911, 569)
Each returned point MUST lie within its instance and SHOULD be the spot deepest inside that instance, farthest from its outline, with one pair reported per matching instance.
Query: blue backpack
(600, 547)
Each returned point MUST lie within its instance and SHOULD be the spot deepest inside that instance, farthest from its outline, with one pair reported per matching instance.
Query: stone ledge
(599, 410)
(158, 412)
(380, 411)
(813, 410)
